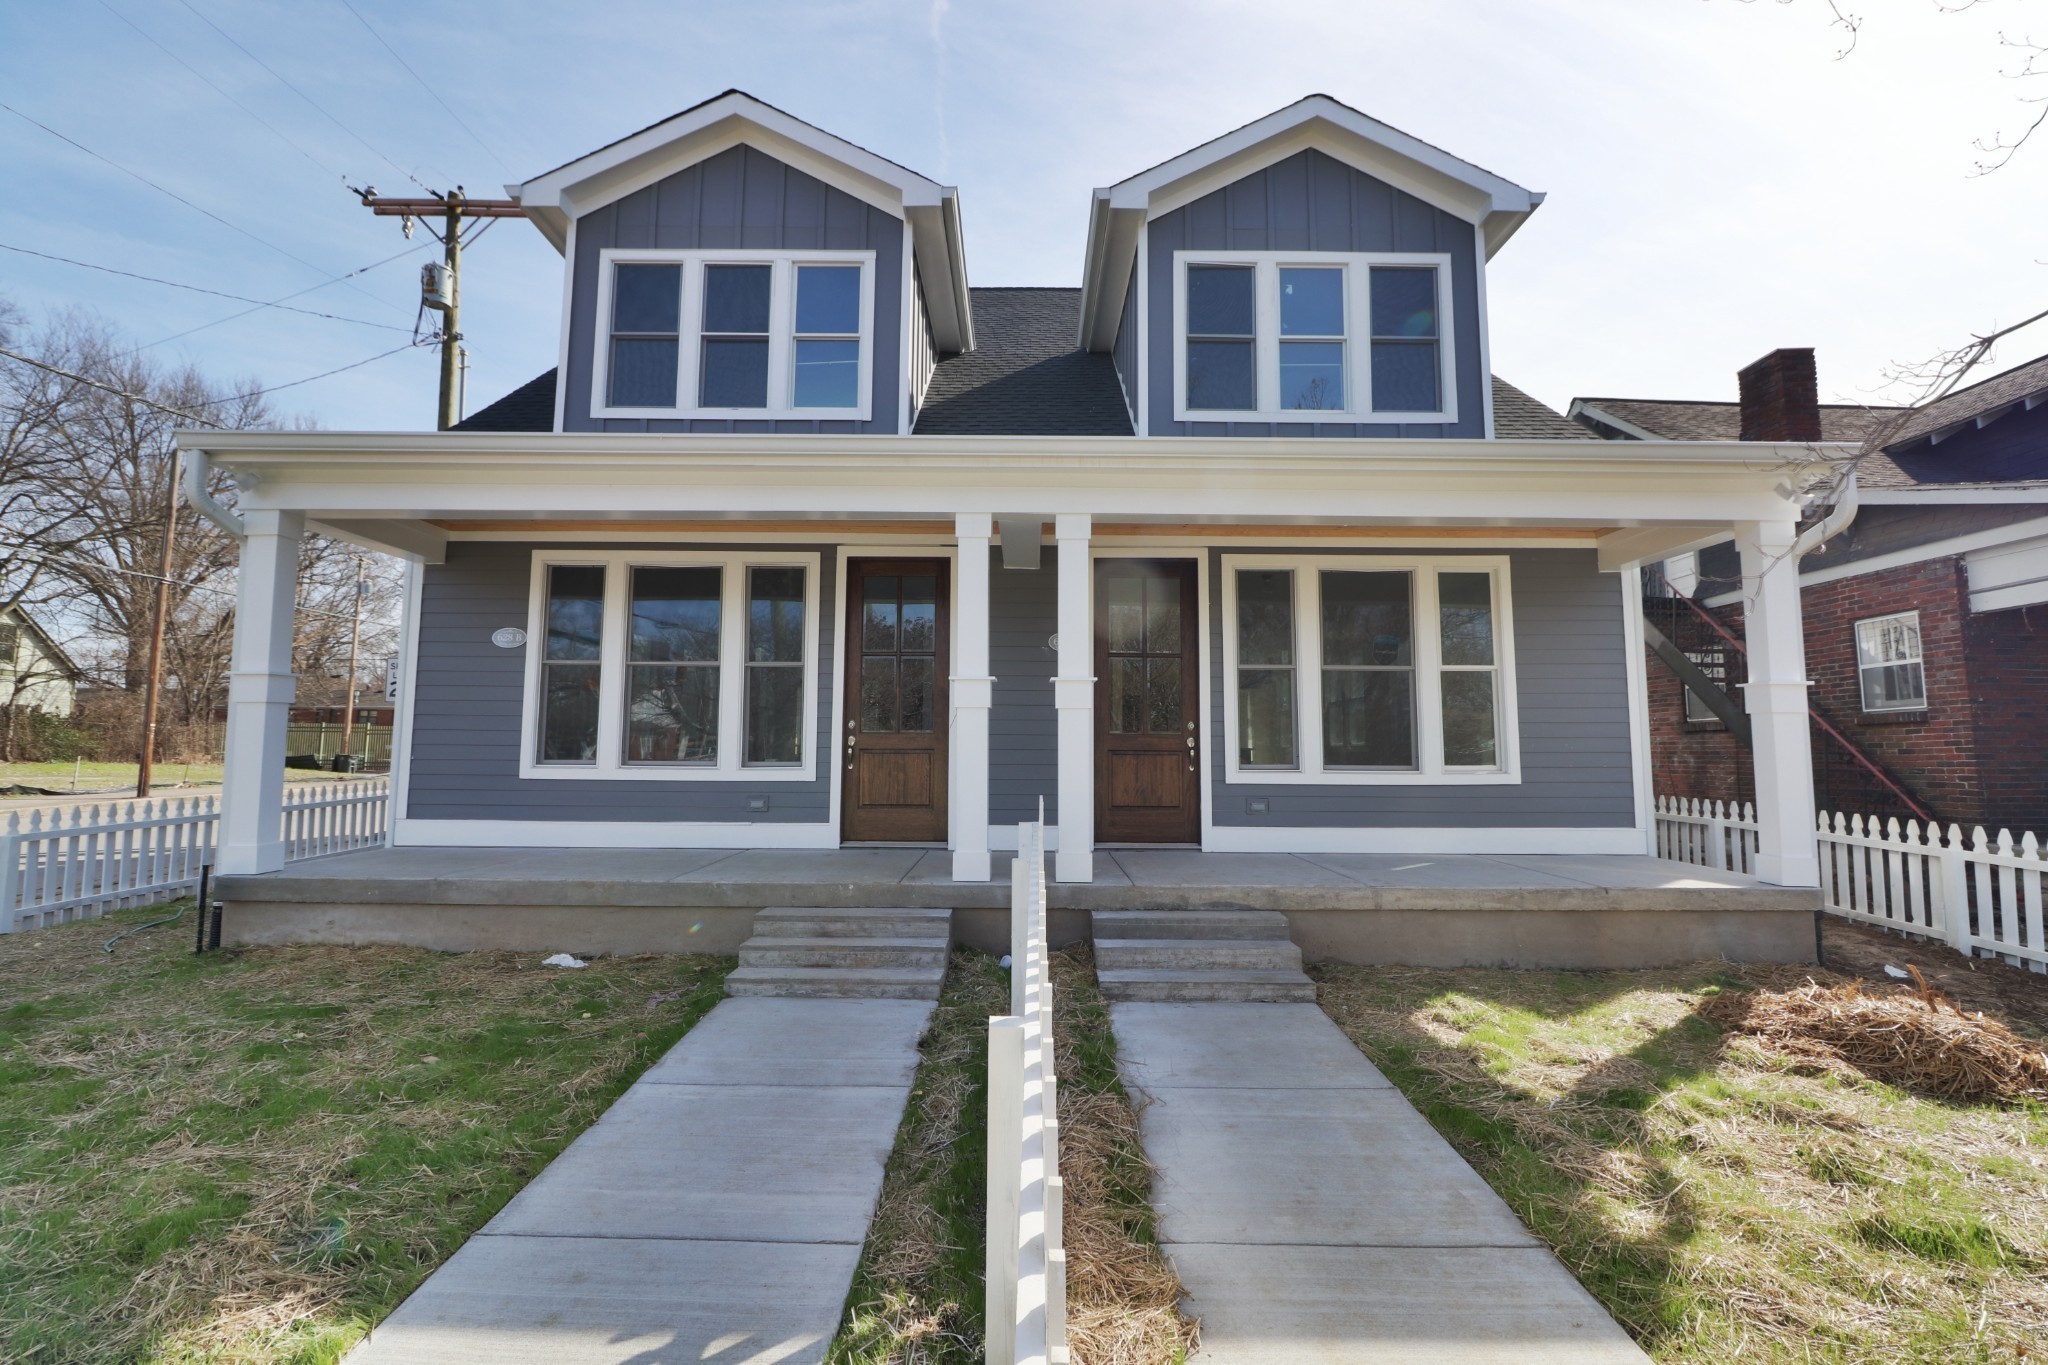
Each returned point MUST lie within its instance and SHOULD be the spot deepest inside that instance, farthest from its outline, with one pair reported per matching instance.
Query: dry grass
(252, 1156)
(1920, 1039)
(1123, 1298)
(1725, 1199)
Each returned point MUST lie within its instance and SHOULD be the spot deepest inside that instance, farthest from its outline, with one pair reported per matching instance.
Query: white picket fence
(1026, 1268)
(60, 864)
(1980, 894)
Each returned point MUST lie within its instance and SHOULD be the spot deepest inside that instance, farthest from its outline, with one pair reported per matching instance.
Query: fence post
(1005, 1156)
(10, 872)
(1955, 891)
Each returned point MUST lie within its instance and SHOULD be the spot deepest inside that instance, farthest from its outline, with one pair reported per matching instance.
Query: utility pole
(441, 285)
(150, 683)
(355, 640)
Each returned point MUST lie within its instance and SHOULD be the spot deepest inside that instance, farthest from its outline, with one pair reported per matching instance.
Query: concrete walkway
(1315, 1216)
(715, 1213)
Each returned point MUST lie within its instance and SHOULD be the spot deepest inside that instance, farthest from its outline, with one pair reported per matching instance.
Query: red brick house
(1926, 619)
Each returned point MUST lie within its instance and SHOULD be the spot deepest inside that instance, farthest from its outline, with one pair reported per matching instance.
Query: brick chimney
(1780, 397)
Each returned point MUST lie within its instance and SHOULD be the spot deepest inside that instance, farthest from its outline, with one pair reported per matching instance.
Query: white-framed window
(1368, 669)
(732, 333)
(1888, 663)
(672, 666)
(1712, 661)
(1313, 336)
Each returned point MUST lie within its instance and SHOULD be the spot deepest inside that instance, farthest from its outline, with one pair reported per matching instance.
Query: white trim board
(553, 832)
(1912, 554)
(1431, 840)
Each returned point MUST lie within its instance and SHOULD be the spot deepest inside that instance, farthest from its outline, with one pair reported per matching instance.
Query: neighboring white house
(35, 672)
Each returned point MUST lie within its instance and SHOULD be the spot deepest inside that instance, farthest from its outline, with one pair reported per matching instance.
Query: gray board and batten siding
(1023, 726)
(468, 693)
(1125, 351)
(1571, 683)
(1313, 202)
(739, 198)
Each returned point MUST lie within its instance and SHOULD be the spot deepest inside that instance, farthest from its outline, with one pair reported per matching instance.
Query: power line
(197, 289)
(273, 128)
(173, 194)
(338, 279)
(317, 106)
(22, 548)
(431, 92)
(181, 412)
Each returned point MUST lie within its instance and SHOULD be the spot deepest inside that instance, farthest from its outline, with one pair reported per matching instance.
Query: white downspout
(1833, 524)
(203, 502)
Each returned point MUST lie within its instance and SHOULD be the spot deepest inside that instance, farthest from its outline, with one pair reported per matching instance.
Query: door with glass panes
(892, 744)
(1147, 745)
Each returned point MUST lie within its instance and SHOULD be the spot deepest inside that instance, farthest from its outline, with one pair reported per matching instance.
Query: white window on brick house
(1888, 663)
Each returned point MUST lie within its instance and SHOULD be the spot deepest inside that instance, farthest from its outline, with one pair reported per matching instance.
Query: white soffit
(931, 210)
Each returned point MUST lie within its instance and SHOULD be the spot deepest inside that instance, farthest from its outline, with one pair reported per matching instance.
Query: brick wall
(1977, 754)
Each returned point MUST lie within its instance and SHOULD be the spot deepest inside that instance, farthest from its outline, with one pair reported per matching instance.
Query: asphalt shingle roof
(530, 407)
(1518, 417)
(1684, 420)
(1025, 376)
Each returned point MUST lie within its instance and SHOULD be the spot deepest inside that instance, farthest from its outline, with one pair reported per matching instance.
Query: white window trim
(609, 764)
(689, 343)
(1863, 669)
(1308, 674)
(1357, 266)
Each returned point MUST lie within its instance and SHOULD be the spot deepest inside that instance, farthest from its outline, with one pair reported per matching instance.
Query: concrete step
(1255, 954)
(925, 950)
(784, 921)
(1227, 924)
(1189, 985)
(868, 983)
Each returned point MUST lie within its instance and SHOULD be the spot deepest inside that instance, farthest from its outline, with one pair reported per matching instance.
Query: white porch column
(260, 690)
(1775, 697)
(972, 690)
(1074, 699)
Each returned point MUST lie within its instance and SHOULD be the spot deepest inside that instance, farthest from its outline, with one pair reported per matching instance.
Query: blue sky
(1719, 183)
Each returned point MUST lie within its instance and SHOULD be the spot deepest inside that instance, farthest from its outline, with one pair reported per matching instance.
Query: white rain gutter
(1847, 505)
(196, 469)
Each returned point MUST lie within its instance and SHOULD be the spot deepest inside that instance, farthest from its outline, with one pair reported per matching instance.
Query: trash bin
(348, 763)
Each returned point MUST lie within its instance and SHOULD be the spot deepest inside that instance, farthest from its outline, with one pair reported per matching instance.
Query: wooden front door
(1147, 778)
(892, 751)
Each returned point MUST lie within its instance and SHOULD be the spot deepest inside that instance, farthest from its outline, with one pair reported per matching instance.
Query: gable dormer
(1314, 273)
(735, 269)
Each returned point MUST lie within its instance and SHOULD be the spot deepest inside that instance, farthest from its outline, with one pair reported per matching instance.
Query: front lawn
(1723, 1200)
(254, 1155)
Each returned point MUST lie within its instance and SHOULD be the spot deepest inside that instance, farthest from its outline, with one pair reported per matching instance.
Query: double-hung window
(1368, 669)
(1888, 663)
(1313, 337)
(675, 665)
(734, 334)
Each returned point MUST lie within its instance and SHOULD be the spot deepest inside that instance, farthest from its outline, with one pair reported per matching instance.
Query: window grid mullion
(611, 680)
(1308, 654)
(732, 646)
(1429, 658)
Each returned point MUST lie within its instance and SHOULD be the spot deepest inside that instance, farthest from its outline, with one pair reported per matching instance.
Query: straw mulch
(1918, 1039)
(1123, 1298)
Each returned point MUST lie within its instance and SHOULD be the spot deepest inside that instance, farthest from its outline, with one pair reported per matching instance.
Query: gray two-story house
(810, 548)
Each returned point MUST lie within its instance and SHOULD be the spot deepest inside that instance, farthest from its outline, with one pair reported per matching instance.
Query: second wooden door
(1147, 745)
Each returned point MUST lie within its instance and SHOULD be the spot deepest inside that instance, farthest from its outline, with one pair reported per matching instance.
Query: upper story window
(1313, 336)
(1888, 663)
(734, 334)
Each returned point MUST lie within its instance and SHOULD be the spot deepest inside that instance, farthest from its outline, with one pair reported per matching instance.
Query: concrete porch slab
(810, 867)
(1315, 1305)
(609, 1301)
(1418, 870)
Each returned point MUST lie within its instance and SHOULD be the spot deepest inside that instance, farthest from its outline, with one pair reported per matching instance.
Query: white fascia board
(1408, 163)
(668, 145)
(1933, 549)
(940, 258)
(1113, 235)
(1910, 497)
(1413, 482)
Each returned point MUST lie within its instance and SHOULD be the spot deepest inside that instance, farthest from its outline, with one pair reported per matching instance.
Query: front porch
(1524, 910)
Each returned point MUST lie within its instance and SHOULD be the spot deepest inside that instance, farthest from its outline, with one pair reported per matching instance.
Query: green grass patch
(1722, 1200)
(255, 1155)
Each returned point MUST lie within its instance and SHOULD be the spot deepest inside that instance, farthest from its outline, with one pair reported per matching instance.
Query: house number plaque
(508, 637)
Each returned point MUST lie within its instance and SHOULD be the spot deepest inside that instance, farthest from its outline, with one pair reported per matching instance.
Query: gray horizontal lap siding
(1571, 680)
(1023, 739)
(1312, 202)
(468, 693)
(739, 198)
